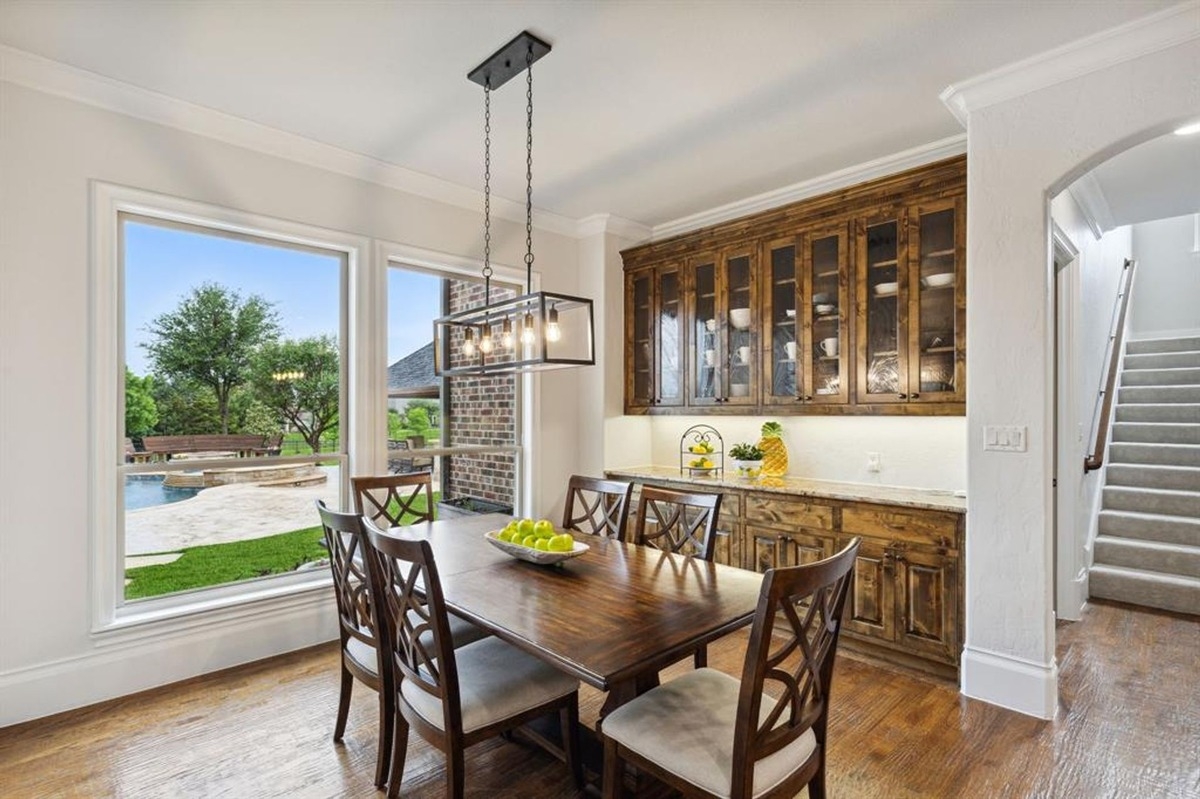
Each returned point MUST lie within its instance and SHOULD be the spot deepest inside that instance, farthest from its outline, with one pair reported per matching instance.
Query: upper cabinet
(849, 303)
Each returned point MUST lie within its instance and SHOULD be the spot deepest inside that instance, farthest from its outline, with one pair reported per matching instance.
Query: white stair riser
(1163, 360)
(1129, 452)
(1154, 412)
(1148, 592)
(1141, 500)
(1158, 394)
(1164, 529)
(1141, 476)
(1133, 554)
(1143, 346)
(1148, 433)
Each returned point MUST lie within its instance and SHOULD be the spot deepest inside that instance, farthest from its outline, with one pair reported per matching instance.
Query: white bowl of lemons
(536, 542)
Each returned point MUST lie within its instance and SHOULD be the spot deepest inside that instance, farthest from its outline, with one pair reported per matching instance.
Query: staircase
(1148, 546)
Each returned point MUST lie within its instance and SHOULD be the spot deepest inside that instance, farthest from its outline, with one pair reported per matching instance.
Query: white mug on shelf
(829, 346)
(711, 325)
(790, 348)
(710, 357)
(743, 354)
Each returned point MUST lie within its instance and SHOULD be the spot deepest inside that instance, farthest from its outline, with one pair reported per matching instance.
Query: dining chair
(708, 734)
(455, 698)
(390, 497)
(680, 522)
(599, 507)
(360, 653)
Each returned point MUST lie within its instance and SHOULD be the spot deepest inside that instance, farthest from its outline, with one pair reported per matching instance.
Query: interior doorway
(1069, 568)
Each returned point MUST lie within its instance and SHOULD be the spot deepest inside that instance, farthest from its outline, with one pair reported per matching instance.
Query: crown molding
(842, 178)
(598, 224)
(1089, 196)
(53, 77)
(1136, 38)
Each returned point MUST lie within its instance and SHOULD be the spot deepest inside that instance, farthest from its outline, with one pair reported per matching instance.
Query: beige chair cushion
(686, 727)
(496, 681)
(462, 632)
(363, 654)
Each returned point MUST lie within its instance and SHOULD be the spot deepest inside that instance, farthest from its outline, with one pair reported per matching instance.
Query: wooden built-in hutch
(853, 302)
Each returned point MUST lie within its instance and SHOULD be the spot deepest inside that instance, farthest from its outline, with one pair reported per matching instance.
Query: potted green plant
(747, 460)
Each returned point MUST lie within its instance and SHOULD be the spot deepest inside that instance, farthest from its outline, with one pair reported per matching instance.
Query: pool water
(147, 490)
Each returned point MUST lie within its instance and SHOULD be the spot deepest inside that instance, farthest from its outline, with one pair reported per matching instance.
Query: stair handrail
(1116, 341)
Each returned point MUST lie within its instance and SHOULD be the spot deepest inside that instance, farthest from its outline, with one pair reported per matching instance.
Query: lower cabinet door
(726, 551)
(804, 547)
(768, 550)
(870, 604)
(927, 603)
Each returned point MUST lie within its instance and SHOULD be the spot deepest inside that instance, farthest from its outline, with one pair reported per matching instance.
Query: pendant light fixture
(536, 330)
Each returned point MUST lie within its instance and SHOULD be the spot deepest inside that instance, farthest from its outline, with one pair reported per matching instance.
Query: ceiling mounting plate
(509, 61)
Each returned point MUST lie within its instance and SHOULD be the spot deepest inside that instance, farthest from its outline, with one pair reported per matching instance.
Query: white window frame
(113, 620)
(390, 255)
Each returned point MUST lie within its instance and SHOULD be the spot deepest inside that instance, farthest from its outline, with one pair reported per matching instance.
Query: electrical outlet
(1004, 438)
(874, 462)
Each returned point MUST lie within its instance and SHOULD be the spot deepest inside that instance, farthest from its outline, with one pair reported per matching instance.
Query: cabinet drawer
(932, 527)
(731, 503)
(788, 513)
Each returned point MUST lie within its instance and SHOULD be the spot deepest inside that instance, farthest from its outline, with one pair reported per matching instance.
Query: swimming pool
(147, 490)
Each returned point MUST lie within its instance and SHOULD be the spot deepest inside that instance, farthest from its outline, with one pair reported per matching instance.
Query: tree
(210, 339)
(141, 411)
(184, 408)
(301, 381)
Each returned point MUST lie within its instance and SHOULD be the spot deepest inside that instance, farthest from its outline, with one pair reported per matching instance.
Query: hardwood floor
(1128, 726)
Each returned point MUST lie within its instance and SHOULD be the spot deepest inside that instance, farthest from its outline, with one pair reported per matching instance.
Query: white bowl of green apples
(536, 542)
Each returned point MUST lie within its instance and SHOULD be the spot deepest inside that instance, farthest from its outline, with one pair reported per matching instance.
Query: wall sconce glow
(1188, 130)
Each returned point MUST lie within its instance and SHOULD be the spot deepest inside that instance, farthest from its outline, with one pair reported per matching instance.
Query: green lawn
(217, 564)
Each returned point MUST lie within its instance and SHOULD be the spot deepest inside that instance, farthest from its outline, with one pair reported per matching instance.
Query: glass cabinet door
(639, 297)
(937, 302)
(882, 373)
(826, 329)
(781, 365)
(741, 360)
(669, 334)
(707, 380)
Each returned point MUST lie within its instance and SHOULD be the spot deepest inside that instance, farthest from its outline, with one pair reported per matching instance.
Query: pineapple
(775, 457)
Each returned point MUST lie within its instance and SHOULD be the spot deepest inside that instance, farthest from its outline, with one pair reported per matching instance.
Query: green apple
(542, 544)
(525, 526)
(504, 535)
(561, 543)
(543, 528)
(529, 541)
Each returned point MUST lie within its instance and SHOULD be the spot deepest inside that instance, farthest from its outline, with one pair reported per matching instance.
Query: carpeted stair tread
(1164, 412)
(1156, 432)
(1149, 527)
(1158, 394)
(1158, 556)
(1164, 502)
(1162, 360)
(1147, 588)
(1147, 345)
(1164, 454)
(1142, 475)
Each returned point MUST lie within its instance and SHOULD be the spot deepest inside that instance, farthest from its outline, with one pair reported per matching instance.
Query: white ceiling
(1159, 179)
(650, 111)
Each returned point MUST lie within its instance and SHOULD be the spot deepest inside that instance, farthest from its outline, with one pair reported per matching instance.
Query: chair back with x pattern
(677, 521)
(599, 507)
(346, 542)
(390, 498)
(411, 617)
(792, 647)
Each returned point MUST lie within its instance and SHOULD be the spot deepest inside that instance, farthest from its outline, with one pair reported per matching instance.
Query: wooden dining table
(612, 616)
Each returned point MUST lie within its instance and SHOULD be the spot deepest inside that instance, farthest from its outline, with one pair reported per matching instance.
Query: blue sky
(163, 265)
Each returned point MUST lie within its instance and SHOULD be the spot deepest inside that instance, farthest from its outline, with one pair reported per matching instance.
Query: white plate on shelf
(938, 281)
(791, 313)
(886, 289)
(538, 556)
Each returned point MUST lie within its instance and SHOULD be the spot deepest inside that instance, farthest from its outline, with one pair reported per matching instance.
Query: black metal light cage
(575, 345)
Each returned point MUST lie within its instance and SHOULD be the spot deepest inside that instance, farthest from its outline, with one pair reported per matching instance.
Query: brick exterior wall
(479, 411)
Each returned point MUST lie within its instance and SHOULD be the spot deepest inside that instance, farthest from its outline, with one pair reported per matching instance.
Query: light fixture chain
(487, 190)
(529, 170)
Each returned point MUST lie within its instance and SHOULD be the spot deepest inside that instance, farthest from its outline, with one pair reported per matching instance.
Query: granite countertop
(930, 499)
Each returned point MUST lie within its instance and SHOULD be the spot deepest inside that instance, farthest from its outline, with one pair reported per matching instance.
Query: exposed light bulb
(485, 341)
(506, 336)
(468, 347)
(553, 331)
(527, 336)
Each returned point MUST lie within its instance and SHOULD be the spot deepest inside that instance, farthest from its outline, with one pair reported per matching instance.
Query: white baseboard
(118, 670)
(1011, 682)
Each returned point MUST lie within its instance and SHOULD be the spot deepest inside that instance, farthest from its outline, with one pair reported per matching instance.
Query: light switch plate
(1005, 438)
(874, 462)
